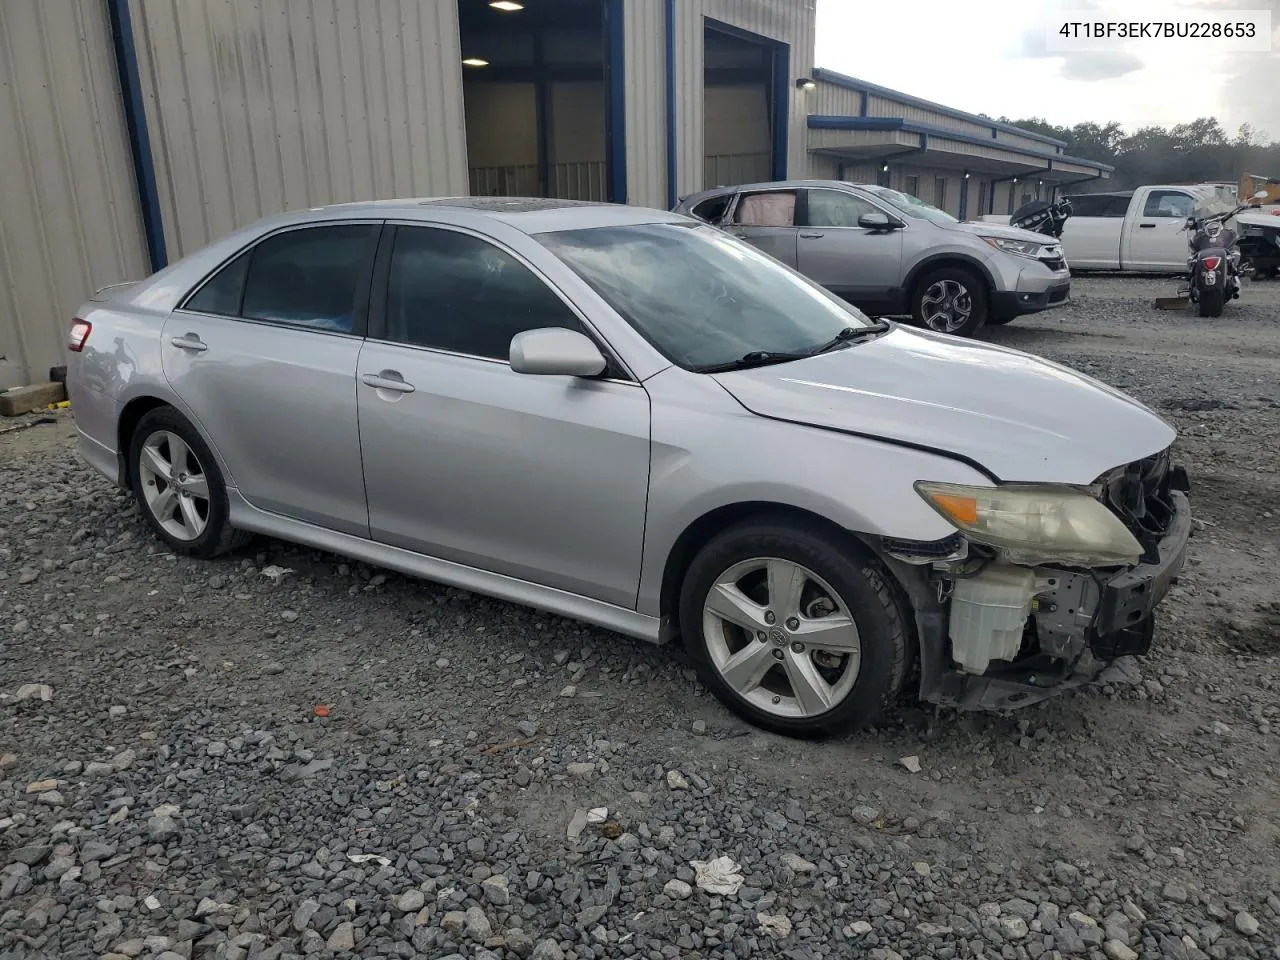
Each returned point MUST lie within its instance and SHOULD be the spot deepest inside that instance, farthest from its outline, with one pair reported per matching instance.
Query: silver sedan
(628, 417)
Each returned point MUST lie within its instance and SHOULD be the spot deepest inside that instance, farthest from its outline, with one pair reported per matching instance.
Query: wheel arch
(131, 415)
(940, 260)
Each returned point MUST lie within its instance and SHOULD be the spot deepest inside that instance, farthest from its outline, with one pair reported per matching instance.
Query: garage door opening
(536, 92)
(745, 106)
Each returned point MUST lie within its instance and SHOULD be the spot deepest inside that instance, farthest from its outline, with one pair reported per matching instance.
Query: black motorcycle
(1214, 267)
(1042, 216)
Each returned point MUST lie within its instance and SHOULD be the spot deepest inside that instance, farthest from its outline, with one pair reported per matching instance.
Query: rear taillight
(79, 334)
(1211, 263)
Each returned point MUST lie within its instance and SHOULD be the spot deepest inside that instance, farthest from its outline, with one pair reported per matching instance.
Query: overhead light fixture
(475, 62)
(805, 83)
(1015, 179)
(885, 167)
(966, 174)
(506, 6)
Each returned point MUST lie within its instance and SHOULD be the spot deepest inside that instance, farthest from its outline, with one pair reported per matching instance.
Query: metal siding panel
(69, 219)
(689, 100)
(645, 64)
(258, 106)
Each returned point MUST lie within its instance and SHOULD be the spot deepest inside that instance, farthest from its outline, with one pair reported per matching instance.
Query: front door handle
(812, 236)
(1146, 226)
(191, 342)
(387, 380)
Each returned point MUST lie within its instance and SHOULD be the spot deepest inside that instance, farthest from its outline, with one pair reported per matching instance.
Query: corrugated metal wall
(69, 219)
(257, 106)
(645, 62)
(792, 21)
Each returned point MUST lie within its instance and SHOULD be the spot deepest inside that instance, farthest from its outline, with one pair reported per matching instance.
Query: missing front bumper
(1080, 622)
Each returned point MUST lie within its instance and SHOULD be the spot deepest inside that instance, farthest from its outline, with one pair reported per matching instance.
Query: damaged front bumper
(1011, 636)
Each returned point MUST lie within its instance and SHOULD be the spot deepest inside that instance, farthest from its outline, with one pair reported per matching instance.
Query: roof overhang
(874, 138)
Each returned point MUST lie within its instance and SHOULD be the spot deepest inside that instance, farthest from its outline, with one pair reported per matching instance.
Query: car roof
(530, 215)
(772, 185)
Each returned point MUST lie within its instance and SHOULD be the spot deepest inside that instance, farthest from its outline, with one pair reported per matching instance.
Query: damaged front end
(1005, 623)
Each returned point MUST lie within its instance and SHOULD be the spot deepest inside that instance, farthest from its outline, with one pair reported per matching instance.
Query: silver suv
(892, 254)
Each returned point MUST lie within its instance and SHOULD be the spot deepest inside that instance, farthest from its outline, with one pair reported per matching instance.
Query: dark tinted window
(309, 277)
(221, 294)
(456, 292)
(712, 210)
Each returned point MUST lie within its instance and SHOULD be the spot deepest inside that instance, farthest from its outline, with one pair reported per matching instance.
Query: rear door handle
(191, 342)
(387, 380)
(1146, 226)
(812, 236)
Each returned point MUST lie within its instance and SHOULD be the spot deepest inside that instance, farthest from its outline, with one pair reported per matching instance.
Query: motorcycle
(1214, 267)
(1260, 242)
(1042, 216)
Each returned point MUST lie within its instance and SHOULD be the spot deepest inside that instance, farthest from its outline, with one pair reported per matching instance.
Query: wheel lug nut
(761, 636)
(769, 617)
(797, 647)
(793, 623)
(777, 654)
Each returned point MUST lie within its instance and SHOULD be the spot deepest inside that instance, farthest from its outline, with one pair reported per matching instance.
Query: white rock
(1115, 950)
(597, 815)
(29, 690)
(676, 780)
(677, 890)
(911, 763)
(776, 925)
(797, 864)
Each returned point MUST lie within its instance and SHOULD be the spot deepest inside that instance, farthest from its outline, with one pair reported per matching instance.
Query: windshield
(700, 296)
(911, 206)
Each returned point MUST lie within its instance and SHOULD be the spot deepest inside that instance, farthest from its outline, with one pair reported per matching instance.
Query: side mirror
(1191, 222)
(873, 221)
(555, 351)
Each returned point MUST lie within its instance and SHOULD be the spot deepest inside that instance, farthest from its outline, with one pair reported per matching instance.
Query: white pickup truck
(1141, 230)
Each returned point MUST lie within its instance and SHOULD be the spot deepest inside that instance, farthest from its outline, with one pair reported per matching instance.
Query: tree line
(1188, 152)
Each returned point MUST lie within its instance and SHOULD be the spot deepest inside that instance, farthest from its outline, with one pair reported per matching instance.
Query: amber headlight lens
(1032, 525)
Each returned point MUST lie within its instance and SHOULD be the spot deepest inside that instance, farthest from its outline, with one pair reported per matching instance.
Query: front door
(767, 219)
(542, 478)
(861, 265)
(264, 356)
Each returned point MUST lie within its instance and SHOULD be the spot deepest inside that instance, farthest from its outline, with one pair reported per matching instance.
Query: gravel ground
(282, 754)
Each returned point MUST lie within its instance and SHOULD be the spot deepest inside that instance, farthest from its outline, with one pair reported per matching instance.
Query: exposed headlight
(1021, 248)
(1032, 525)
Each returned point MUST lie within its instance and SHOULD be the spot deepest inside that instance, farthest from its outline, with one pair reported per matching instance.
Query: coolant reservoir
(988, 613)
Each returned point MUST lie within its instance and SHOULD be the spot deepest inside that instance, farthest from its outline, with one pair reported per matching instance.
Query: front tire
(178, 487)
(835, 646)
(950, 300)
(1211, 301)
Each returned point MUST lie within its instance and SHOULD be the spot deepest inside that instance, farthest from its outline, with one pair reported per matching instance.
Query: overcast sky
(990, 57)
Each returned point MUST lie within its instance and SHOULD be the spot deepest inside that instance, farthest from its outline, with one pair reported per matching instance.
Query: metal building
(135, 131)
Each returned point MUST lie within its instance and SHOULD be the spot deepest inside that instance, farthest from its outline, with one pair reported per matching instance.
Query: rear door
(1091, 235)
(767, 219)
(264, 355)
(861, 265)
(1156, 239)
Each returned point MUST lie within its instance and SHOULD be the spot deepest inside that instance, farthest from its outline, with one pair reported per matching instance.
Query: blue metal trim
(820, 122)
(964, 197)
(616, 120)
(853, 83)
(782, 91)
(670, 14)
(135, 118)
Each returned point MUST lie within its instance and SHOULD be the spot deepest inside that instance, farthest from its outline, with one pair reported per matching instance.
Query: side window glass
(828, 208)
(712, 210)
(221, 292)
(309, 277)
(766, 210)
(452, 291)
(1167, 203)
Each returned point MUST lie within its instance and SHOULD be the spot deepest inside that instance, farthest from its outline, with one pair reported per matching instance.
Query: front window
(701, 297)
(911, 206)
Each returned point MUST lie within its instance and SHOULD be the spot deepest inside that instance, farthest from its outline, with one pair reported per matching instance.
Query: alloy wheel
(174, 485)
(946, 306)
(781, 637)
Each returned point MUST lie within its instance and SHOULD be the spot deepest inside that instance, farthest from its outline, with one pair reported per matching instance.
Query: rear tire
(836, 648)
(950, 300)
(1211, 301)
(178, 486)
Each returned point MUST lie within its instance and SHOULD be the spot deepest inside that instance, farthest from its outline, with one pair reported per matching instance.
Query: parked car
(624, 416)
(1142, 230)
(892, 254)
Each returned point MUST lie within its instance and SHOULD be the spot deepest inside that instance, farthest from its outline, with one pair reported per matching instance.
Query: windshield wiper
(849, 335)
(756, 358)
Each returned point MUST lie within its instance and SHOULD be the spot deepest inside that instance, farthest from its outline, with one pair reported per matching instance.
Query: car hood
(1021, 418)
(985, 229)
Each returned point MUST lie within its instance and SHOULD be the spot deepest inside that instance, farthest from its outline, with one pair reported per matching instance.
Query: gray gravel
(490, 782)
